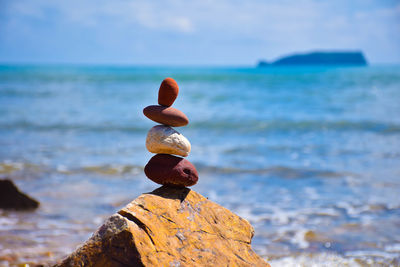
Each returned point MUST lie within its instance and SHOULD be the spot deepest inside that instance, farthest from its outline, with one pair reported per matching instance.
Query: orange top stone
(168, 92)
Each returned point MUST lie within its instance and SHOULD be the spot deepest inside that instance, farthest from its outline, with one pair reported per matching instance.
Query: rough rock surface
(12, 198)
(169, 227)
(170, 170)
(166, 115)
(164, 139)
(168, 92)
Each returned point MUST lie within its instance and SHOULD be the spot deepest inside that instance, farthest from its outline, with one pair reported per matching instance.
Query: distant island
(345, 58)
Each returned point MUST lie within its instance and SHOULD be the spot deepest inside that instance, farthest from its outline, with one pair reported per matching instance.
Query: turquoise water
(310, 156)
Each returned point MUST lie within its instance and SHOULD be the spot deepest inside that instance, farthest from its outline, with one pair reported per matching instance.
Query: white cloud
(181, 23)
(151, 15)
(156, 17)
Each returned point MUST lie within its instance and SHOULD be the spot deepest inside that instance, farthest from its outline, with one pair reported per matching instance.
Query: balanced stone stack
(165, 168)
(173, 225)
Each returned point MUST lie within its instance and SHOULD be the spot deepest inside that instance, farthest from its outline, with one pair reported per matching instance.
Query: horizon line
(103, 64)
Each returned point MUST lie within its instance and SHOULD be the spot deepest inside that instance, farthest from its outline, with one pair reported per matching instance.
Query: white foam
(374, 253)
(393, 247)
(299, 239)
(315, 260)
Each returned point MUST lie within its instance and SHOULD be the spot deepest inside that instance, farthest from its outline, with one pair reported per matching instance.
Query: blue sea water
(309, 155)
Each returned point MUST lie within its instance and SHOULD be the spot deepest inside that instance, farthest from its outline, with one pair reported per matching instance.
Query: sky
(199, 32)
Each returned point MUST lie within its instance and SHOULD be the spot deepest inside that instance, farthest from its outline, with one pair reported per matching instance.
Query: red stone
(166, 169)
(168, 92)
(166, 115)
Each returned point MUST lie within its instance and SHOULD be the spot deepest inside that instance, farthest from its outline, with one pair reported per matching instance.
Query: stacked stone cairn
(165, 168)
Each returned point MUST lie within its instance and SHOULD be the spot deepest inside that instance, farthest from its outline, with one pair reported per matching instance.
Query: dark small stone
(166, 115)
(12, 198)
(166, 169)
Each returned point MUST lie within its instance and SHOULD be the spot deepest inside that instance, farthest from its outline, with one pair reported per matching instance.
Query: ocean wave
(334, 260)
(33, 126)
(277, 171)
(8, 92)
(302, 125)
(242, 126)
(8, 167)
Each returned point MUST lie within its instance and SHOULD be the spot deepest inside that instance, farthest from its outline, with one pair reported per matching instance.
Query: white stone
(162, 139)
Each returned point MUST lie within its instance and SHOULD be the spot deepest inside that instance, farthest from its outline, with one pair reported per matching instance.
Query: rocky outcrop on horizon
(326, 58)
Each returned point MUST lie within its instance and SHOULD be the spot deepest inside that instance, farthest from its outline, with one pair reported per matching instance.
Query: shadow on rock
(171, 192)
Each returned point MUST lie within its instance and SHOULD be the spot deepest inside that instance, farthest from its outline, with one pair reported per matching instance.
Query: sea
(310, 156)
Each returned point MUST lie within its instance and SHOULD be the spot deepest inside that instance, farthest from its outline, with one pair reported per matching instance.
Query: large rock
(12, 198)
(169, 227)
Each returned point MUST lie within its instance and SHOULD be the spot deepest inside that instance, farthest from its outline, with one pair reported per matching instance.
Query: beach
(308, 155)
